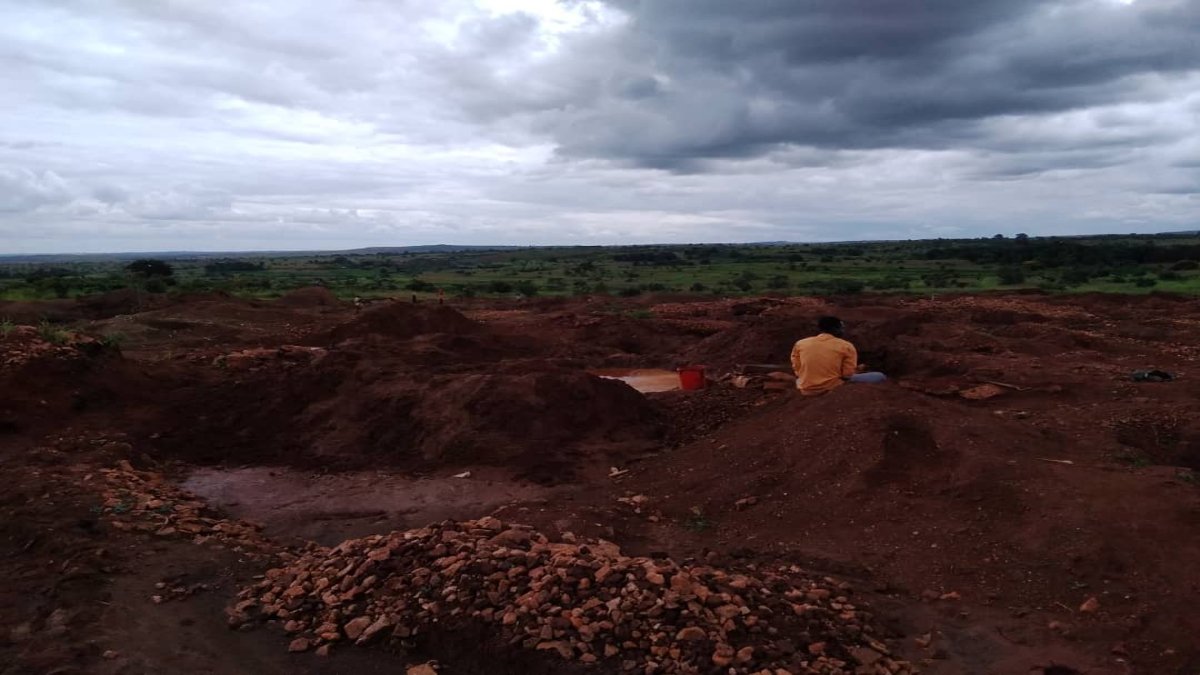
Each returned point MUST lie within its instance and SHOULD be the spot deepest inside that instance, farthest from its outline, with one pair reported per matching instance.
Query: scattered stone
(1090, 606)
(745, 503)
(723, 655)
(299, 645)
(982, 393)
(134, 500)
(952, 595)
(374, 629)
(423, 669)
(110, 654)
(355, 628)
(865, 655)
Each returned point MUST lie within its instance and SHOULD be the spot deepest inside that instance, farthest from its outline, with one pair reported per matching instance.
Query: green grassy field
(1132, 264)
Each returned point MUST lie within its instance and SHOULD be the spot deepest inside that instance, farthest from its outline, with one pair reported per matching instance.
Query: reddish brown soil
(1073, 483)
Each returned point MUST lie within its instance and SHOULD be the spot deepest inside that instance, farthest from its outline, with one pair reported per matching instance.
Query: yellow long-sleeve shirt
(821, 362)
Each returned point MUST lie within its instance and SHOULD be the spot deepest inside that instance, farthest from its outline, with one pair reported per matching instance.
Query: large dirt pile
(310, 296)
(576, 602)
(49, 374)
(543, 423)
(351, 411)
(400, 321)
(882, 336)
(942, 494)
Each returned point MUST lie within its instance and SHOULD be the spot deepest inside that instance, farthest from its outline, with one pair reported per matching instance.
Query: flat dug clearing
(303, 486)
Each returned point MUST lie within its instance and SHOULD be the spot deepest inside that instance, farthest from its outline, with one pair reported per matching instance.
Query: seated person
(826, 361)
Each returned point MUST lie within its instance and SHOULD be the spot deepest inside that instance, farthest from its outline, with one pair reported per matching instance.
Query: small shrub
(1076, 276)
(1133, 459)
(526, 287)
(698, 287)
(7, 327)
(940, 279)
(1169, 276)
(1185, 266)
(147, 268)
(1145, 282)
(1011, 276)
(890, 282)
(55, 336)
(696, 522)
(112, 340)
(836, 286)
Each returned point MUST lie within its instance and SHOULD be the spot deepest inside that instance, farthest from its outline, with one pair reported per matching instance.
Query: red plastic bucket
(691, 378)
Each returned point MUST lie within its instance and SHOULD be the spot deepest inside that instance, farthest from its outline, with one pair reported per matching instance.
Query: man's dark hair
(829, 324)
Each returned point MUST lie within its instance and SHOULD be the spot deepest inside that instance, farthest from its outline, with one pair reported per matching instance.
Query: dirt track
(977, 529)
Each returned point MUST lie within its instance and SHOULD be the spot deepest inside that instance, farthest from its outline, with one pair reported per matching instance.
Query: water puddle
(645, 380)
(329, 508)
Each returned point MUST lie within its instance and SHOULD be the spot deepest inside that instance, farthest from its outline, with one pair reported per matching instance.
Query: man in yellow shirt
(826, 361)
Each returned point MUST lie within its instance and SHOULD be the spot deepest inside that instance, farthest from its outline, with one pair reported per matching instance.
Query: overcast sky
(294, 124)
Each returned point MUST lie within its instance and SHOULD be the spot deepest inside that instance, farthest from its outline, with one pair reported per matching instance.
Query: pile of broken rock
(20, 345)
(143, 501)
(583, 602)
(250, 359)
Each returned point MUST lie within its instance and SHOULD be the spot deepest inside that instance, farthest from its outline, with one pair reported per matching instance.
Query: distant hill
(43, 258)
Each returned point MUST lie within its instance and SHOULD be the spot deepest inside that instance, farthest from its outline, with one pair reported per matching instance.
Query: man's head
(831, 325)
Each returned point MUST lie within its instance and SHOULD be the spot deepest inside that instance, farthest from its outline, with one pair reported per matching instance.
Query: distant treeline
(231, 266)
(1060, 253)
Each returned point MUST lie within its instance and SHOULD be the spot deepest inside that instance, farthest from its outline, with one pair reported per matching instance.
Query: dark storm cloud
(712, 78)
(142, 124)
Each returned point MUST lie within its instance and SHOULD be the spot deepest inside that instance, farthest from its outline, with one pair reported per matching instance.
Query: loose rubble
(144, 501)
(20, 345)
(253, 359)
(583, 602)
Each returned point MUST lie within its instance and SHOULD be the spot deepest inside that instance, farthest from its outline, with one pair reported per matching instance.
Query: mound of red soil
(949, 495)
(398, 320)
(876, 332)
(123, 301)
(311, 296)
(757, 340)
(44, 384)
(529, 418)
(356, 411)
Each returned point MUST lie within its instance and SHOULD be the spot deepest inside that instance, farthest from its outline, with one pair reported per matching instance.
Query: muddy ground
(1046, 523)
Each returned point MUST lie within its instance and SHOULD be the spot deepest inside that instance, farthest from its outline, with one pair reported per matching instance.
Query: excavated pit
(330, 507)
(924, 487)
(645, 380)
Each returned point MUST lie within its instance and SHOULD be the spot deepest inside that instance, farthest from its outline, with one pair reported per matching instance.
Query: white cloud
(302, 124)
